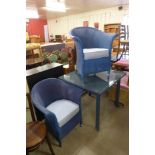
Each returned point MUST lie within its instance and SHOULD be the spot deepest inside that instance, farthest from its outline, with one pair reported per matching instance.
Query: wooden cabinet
(113, 28)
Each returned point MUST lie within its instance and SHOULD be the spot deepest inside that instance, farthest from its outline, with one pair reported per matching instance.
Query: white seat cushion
(94, 53)
(64, 110)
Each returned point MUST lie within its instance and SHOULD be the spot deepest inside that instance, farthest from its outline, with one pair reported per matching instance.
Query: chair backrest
(86, 35)
(34, 38)
(92, 38)
(47, 91)
(122, 32)
(127, 32)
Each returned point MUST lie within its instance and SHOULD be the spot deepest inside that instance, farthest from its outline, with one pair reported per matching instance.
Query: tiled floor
(112, 139)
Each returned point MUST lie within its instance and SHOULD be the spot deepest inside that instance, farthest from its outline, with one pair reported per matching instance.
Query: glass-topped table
(96, 84)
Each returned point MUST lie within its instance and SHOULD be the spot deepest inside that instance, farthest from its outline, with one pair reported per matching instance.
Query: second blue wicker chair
(93, 50)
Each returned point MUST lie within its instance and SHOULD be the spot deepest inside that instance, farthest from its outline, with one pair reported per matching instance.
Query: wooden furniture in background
(34, 38)
(36, 133)
(30, 47)
(121, 43)
(113, 28)
(33, 43)
(125, 47)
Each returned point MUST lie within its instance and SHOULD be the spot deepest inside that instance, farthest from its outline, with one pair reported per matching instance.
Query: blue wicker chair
(93, 50)
(59, 103)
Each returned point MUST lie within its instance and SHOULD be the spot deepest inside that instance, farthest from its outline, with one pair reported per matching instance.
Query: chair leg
(50, 146)
(89, 93)
(60, 144)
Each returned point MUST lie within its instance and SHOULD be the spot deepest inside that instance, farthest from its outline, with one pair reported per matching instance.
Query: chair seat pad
(32, 46)
(64, 110)
(95, 53)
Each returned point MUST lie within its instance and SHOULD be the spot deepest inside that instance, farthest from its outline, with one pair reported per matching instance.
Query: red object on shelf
(85, 23)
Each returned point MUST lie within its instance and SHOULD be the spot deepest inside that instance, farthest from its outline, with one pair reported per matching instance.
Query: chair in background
(32, 44)
(124, 39)
(59, 104)
(93, 50)
(34, 38)
(122, 32)
(123, 47)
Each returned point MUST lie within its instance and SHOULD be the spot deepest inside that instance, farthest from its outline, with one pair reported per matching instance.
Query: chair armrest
(106, 40)
(52, 123)
(50, 120)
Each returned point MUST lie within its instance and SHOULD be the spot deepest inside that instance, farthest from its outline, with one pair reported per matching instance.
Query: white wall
(64, 24)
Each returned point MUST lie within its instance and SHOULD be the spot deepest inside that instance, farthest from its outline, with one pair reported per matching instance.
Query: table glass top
(96, 83)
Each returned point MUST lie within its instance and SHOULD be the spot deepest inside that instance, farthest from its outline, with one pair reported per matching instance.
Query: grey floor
(112, 139)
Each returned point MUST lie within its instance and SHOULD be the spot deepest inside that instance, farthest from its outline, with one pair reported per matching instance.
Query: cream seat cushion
(94, 53)
(32, 46)
(64, 110)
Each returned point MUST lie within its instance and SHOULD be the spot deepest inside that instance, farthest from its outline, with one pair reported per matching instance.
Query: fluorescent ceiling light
(32, 13)
(55, 6)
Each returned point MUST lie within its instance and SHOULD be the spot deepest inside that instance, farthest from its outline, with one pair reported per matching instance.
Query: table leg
(97, 112)
(116, 102)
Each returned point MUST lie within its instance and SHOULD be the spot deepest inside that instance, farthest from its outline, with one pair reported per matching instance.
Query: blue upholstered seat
(88, 38)
(59, 103)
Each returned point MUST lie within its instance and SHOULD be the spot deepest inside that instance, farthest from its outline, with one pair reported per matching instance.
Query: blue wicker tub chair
(60, 103)
(93, 50)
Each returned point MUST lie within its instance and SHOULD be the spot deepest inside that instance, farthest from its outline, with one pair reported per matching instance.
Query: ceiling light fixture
(32, 13)
(56, 5)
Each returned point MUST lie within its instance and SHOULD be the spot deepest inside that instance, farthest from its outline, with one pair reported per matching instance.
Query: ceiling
(74, 6)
